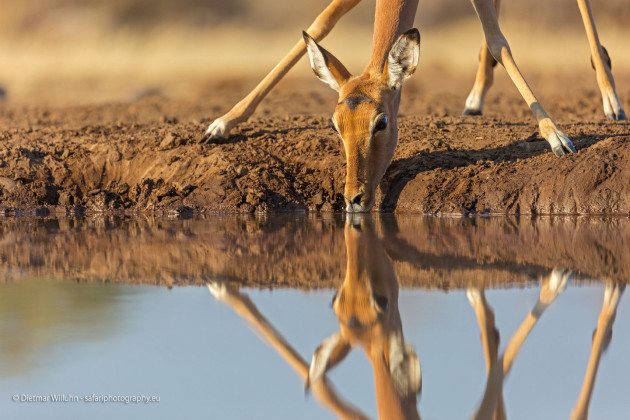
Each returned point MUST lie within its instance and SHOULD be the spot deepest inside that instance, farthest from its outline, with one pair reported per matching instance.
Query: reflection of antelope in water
(367, 308)
(601, 339)
(492, 405)
(322, 390)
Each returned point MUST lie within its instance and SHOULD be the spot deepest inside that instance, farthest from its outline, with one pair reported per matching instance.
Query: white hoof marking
(474, 105)
(612, 107)
(218, 130)
(559, 142)
(559, 280)
(217, 289)
(473, 295)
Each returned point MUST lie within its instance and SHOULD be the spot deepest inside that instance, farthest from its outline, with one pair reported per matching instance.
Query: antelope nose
(356, 199)
(354, 322)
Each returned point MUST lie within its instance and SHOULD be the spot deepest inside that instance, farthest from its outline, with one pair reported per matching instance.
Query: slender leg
(322, 25)
(601, 63)
(492, 405)
(483, 79)
(500, 50)
(242, 305)
(551, 287)
(601, 339)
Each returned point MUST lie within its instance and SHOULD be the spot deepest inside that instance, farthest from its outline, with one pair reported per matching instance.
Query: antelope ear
(403, 58)
(404, 367)
(325, 65)
(332, 351)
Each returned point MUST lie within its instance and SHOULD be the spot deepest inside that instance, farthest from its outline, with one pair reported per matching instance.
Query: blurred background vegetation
(54, 49)
(28, 17)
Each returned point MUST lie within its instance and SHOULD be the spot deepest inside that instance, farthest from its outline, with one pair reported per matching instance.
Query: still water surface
(122, 308)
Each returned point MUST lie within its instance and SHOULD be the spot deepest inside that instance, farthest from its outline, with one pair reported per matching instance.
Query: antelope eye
(382, 303)
(332, 125)
(381, 123)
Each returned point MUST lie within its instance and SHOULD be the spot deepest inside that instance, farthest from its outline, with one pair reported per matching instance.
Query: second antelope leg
(242, 305)
(323, 24)
(601, 63)
(483, 79)
(492, 405)
(500, 50)
(551, 287)
(601, 340)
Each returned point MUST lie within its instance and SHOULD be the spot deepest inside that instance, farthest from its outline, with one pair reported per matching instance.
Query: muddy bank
(310, 252)
(144, 156)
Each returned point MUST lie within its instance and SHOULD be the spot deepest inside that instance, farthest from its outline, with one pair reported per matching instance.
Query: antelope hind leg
(483, 78)
(602, 64)
(500, 50)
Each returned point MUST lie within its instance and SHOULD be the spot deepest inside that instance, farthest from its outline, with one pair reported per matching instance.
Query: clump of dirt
(145, 156)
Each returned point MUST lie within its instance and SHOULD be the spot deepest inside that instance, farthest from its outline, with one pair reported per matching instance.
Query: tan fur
(323, 390)
(370, 276)
(369, 272)
(367, 155)
(483, 78)
(367, 163)
(363, 101)
(601, 61)
(323, 24)
(498, 367)
(601, 337)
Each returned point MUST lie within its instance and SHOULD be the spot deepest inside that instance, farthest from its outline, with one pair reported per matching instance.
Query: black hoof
(468, 111)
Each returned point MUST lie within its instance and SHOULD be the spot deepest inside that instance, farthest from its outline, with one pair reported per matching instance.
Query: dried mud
(144, 155)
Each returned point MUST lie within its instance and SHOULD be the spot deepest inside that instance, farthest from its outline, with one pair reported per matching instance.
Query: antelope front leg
(323, 24)
(483, 79)
(242, 305)
(551, 287)
(601, 64)
(492, 405)
(500, 50)
(601, 340)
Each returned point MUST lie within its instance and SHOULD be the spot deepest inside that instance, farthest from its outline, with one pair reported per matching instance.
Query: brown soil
(144, 154)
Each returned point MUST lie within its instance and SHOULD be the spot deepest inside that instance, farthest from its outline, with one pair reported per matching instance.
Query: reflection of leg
(498, 46)
(243, 306)
(601, 339)
(601, 63)
(492, 405)
(485, 318)
(483, 79)
(551, 287)
(322, 25)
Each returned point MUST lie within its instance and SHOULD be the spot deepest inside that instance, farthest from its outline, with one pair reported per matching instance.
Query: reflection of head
(366, 306)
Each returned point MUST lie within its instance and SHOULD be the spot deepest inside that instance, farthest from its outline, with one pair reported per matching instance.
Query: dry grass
(71, 54)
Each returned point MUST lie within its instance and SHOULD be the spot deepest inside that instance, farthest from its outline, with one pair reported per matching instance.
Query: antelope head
(366, 306)
(366, 113)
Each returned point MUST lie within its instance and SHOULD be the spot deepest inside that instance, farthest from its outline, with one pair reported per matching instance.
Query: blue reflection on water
(203, 360)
